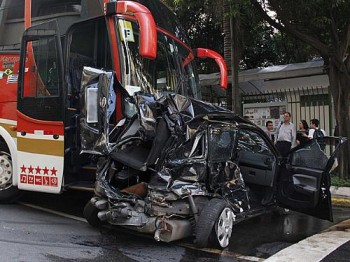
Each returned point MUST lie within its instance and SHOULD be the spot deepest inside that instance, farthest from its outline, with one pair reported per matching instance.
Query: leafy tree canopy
(261, 44)
(324, 25)
(202, 25)
(320, 23)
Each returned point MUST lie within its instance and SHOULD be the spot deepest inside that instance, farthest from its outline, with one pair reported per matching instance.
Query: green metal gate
(304, 104)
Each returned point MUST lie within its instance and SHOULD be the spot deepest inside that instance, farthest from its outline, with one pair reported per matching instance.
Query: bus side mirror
(148, 30)
(207, 53)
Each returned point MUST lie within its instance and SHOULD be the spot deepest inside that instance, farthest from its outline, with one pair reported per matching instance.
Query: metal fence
(302, 103)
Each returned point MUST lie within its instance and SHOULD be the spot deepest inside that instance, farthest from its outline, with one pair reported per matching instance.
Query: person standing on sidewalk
(315, 131)
(285, 135)
(302, 133)
(269, 129)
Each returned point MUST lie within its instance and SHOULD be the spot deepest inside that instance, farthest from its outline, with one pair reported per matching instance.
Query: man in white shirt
(314, 125)
(285, 135)
(269, 129)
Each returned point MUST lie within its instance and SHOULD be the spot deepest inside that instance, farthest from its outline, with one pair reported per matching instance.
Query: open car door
(304, 180)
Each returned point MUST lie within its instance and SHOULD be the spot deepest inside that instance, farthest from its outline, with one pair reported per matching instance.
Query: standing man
(285, 135)
(315, 131)
(269, 128)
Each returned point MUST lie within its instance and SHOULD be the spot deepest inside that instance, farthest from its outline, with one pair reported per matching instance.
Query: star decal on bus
(30, 169)
(46, 171)
(23, 169)
(38, 170)
(53, 172)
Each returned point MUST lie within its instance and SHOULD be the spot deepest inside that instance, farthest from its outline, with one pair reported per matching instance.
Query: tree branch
(344, 46)
(333, 27)
(347, 65)
(289, 29)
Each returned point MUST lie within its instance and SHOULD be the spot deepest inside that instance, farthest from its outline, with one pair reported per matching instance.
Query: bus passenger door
(40, 128)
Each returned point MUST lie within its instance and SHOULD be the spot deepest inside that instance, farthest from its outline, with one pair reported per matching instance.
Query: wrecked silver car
(179, 167)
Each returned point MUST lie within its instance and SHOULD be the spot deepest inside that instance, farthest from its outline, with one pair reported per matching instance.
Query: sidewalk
(328, 246)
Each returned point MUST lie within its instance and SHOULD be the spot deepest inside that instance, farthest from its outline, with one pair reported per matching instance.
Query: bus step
(87, 186)
(88, 168)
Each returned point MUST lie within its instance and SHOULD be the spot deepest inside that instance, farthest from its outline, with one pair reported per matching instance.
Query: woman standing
(302, 133)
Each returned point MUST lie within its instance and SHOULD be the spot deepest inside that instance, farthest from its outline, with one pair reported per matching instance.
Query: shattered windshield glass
(171, 72)
(316, 154)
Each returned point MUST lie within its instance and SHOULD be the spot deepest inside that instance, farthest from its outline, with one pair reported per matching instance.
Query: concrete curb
(340, 201)
(340, 196)
(340, 191)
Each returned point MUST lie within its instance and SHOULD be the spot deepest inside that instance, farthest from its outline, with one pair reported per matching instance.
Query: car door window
(253, 142)
(314, 156)
(317, 154)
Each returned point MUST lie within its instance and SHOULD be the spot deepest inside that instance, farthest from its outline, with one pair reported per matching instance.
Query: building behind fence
(301, 89)
(303, 103)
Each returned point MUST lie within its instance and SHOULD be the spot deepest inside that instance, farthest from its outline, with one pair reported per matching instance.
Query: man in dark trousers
(285, 135)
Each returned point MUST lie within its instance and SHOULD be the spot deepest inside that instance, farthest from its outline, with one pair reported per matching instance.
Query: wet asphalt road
(28, 234)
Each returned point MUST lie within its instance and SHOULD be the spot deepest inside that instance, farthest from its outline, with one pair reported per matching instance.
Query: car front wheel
(214, 226)
(90, 213)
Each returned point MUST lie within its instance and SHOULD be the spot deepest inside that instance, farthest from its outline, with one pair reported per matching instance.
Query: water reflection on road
(259, 237)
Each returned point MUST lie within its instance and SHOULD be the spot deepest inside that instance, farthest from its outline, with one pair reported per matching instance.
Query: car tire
(8, 192)
(90, 214)
(214, 225)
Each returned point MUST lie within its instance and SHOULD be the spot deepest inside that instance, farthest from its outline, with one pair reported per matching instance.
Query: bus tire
(8, 192)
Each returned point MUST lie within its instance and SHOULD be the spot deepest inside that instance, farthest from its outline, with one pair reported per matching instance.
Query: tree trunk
(232, 51)
(335, 54)
(227, 47)
(236, 96)
(340, 89)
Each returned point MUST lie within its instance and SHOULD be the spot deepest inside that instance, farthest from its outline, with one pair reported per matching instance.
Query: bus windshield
(171, 72)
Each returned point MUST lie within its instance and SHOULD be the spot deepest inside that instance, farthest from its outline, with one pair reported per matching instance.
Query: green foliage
(316, 18)
(339, 182)
(324, 25)
(203, 26)
(261, 44)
